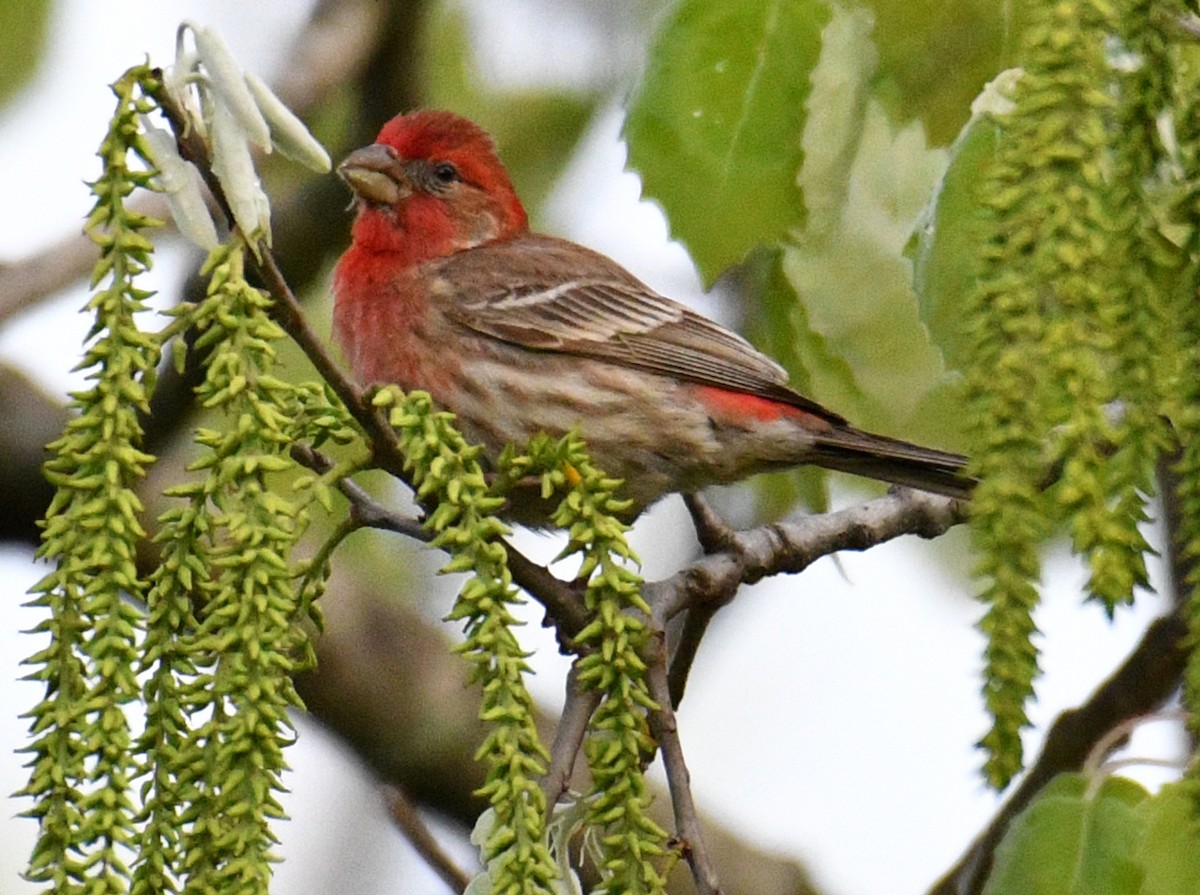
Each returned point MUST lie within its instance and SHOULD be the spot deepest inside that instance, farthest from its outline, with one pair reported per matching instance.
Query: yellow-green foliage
(81, 760)
(449, 480)
(224, 623)
(220, 627)
(618, 740)
(1072, 361)
(1186, 321)
(245, 639)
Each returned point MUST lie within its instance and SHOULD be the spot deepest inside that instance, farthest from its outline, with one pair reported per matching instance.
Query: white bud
(996, 98)
(288, 132)
(229, 86)
(178, 80)
(234, 168)
(180, 182)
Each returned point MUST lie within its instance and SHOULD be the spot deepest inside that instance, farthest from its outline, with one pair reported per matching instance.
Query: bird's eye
(445, 173)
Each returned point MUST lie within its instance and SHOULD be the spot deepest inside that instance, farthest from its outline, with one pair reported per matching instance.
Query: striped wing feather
(547, 294)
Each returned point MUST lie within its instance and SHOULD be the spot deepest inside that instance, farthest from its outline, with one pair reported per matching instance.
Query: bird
(445, 288)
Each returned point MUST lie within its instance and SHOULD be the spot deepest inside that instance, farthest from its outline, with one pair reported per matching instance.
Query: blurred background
(831, 716)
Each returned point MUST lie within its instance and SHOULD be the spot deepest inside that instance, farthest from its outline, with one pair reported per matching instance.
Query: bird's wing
(547, 294)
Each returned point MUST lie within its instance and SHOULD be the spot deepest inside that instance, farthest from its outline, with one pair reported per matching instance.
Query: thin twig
(1118, 738)
(695, 625)
(577, 711)
(715, 536)
(666, 732)
(365, 510)
(713, 532)
(416, 831)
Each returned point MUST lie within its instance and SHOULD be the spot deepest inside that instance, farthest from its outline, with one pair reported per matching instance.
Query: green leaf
(934, 57)
(22, 37)
(1070, 842)
(877, 362)
(837, 111)
(714, 128)
(945, 246)
(1170, 850)
(886, 361)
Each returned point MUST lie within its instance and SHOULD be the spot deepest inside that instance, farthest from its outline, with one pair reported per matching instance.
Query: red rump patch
(734, 407)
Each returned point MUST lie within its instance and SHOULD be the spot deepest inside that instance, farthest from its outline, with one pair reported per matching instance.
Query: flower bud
(229, 86)
(288, 133)
(180, 183)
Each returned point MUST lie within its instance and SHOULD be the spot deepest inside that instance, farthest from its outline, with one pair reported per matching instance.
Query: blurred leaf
(714, 128)
(1170, 850)
(936, 56)
(837, 108)
(849, 186)
(778, 494)
(537, 135)
(938, 417)
(776, 323)
(893, 174)
(945, 245)
(1067, 843)
(855, 284)
(22, 38)
(859, 305)
(536, 131)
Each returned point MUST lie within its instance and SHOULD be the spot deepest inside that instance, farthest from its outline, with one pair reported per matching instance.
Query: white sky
(831, 715)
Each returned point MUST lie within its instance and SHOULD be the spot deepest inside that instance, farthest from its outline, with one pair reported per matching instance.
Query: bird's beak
(376, 174)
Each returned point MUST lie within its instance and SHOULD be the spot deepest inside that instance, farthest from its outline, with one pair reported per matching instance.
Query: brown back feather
(553, 295)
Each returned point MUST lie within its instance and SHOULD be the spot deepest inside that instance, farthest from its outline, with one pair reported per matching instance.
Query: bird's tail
(898, 462)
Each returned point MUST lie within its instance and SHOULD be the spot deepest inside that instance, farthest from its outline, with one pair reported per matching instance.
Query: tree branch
(695, 625)
(713, 532)
(745, 557)
(409, 821)
(792, 546)
(577, 711)
(665, 730)
(1143, 682)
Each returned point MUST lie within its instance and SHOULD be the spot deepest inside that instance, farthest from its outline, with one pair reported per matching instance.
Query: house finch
(444, 288)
